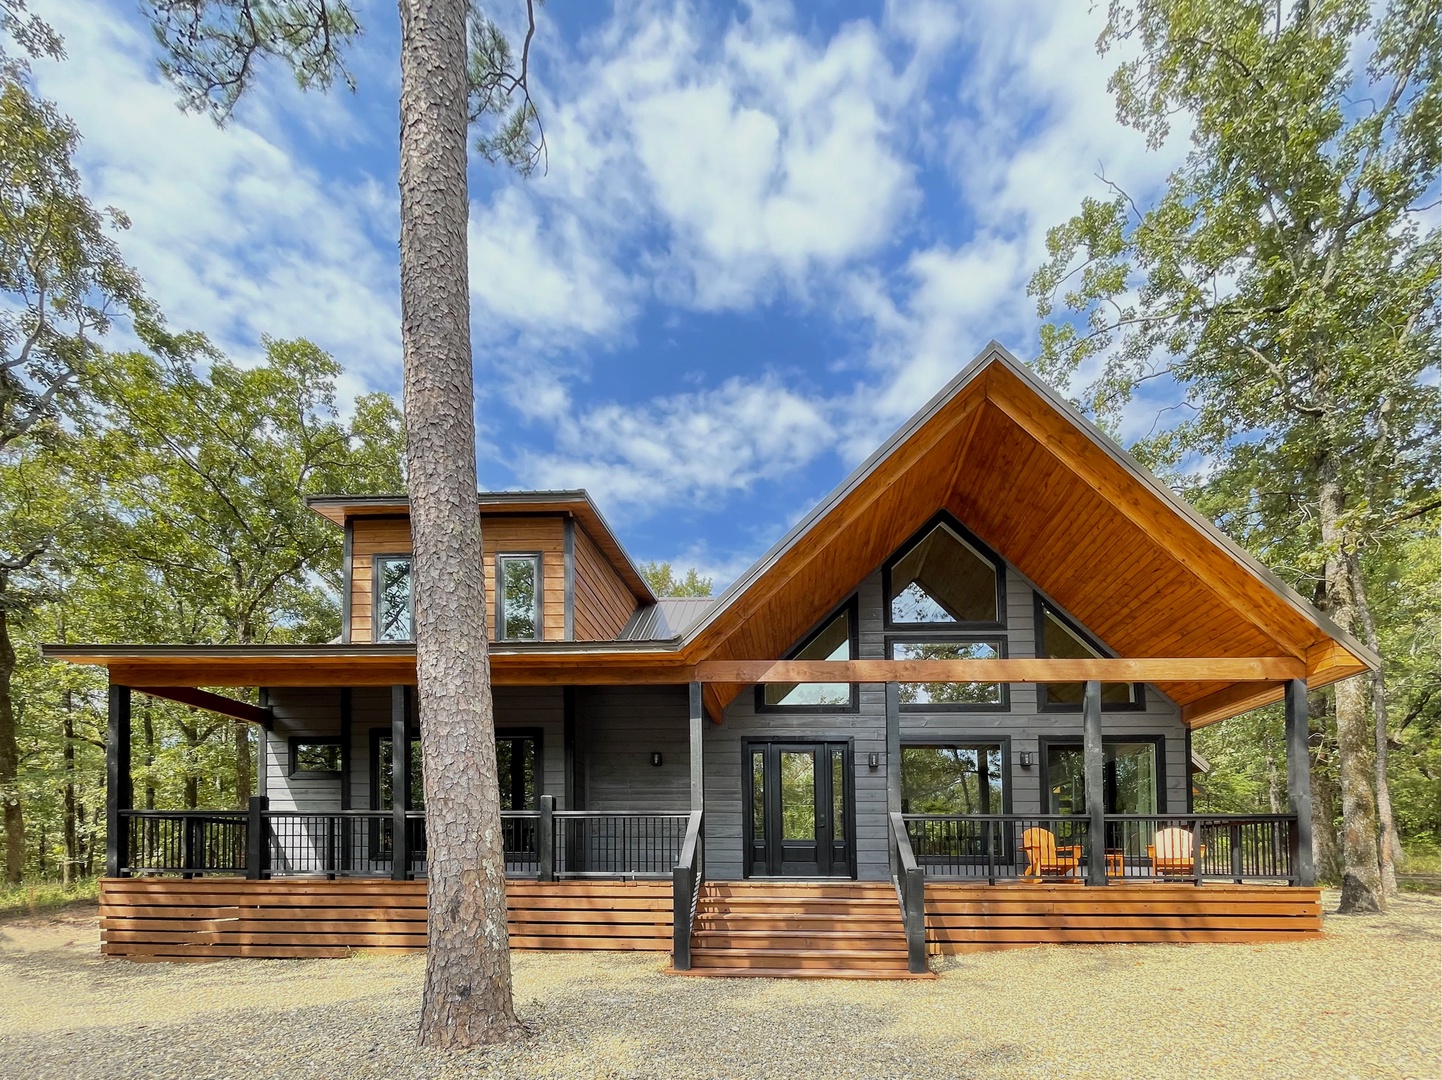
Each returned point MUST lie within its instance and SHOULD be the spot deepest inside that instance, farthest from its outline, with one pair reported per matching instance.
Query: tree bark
(10, 759)
(467, 998)
(243, 755)
(1389, 849)
(1361, 878)
(1325, 856)
(67, 757)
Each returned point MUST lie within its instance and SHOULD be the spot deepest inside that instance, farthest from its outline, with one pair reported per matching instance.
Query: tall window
(518, 770)
(832, 642)
(1129, 776)
(1058, 638)
(944, 580)
(518, 616)
(951, 779)
(393, 610)
(953, 696)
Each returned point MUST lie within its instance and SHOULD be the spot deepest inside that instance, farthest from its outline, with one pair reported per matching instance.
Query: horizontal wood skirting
(969, 918)
(219, 918)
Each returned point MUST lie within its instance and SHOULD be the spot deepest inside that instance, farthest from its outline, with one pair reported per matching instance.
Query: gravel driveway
(1362, 1003)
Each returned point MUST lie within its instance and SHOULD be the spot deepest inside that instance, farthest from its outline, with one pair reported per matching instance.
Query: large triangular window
(944, 579)
(835, 640)
(1058, 638)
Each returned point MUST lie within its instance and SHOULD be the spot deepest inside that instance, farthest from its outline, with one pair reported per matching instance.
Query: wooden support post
(344, 825)
(117, 783)
(257, 839)
(1299, 780)
(400, 785)
(546, 840)
(262, 748)
(698, 769)
(1094, 767)
(568, 739)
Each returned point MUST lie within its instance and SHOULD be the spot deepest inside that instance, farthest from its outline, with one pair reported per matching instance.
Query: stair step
(800, 959)
(802, 973)
(730, 939)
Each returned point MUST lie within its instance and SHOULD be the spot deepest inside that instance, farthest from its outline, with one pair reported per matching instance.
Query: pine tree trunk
(67, 757)
(1361, 878)
(241, 732)
(10, 759)
(467, 998)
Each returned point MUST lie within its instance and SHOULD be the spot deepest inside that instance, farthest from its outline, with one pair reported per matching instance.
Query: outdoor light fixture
(656, 757)
(873, 761)
(1026, 759)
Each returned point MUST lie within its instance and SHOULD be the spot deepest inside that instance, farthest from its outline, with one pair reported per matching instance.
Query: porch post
(1299, 779)
(893, 772)
(697, 725)
(1093, 763)
(117, 781)
(345, 826)
(400, 776)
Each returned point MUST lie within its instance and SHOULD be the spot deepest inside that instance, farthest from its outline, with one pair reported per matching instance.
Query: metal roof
(669, 617)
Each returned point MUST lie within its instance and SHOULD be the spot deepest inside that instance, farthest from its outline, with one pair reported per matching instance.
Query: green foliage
(39, 898)
(664, 582)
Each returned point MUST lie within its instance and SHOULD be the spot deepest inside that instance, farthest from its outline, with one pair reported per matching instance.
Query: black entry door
(800, 823)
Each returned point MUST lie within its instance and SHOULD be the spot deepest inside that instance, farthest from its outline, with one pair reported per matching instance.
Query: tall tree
(62, 282)
(1285, 280)
(456, 66)
(664, 581)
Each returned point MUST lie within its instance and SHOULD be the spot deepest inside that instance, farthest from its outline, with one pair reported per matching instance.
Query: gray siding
(618, 728)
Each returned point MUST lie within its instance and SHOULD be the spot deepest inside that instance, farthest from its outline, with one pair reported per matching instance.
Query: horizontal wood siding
(212, 919)
(967, 918)
(617, 731)
(499, 533)
(603, 603)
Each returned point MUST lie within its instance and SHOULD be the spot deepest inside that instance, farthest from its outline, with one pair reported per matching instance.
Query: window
(944, 579)
(383, 794)
(952, 696)
(518, 769)
(952, 779)
(1130, 774)
(518, 614)
(393, 610)
(1059, 638)
(314, 759)
(834, 641)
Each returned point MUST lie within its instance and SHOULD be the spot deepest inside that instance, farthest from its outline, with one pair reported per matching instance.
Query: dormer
(554, 570)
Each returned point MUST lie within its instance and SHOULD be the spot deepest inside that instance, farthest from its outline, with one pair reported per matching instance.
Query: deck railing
(543, 844)
(686, 878)
(910, 882)
(993, 847)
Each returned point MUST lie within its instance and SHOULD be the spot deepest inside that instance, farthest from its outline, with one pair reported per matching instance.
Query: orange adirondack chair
(1171, 853)
(1044, 858)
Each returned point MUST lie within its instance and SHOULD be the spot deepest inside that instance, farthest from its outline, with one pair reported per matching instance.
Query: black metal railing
(1169, 847)
(910, 882)
(544, 844)
(686, 878)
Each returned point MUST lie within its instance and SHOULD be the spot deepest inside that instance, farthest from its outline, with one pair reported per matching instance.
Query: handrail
(685, 892)
(910, 882)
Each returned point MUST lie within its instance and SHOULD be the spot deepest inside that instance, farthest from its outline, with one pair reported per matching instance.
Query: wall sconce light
(656, 757)
(1027, 759)
(873, 761)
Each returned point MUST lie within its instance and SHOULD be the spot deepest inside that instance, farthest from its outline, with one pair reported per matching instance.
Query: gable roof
(1070, 509)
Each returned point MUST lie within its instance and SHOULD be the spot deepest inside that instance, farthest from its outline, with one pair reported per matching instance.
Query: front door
(800, 824)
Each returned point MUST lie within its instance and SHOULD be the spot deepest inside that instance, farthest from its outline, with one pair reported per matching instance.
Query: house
(951, 709)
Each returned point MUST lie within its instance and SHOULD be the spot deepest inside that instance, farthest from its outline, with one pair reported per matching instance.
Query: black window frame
(376, 562)
(851, 608)
(1044, 748)
(965, 741)
(525, 733)
(997, 639)
(1041, 606)
(297, 741)
(972, 541)
(538, 605)
(377, 736)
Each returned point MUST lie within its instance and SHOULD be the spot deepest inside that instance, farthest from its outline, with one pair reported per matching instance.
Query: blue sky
(768, 232)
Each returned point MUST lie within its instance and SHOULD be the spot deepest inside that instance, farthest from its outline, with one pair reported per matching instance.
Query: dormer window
(518, 614)
(945, 579)
(835, 640)
(395, 620)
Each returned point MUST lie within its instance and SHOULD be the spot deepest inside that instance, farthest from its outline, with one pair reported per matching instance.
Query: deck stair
(800, 929)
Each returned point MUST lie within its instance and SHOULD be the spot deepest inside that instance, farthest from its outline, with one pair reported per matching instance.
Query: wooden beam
(216, 703)
(1150, 669)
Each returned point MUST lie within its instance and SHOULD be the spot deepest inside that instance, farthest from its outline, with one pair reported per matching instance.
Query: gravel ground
(1362, 1003)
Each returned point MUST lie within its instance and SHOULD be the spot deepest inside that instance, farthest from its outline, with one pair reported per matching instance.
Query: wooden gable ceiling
(1064, 506)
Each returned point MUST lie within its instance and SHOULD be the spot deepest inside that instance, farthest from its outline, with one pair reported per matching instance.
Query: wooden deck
(971, 918)
(217, 918)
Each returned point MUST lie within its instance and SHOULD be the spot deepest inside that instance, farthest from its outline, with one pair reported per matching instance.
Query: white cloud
(234, 234)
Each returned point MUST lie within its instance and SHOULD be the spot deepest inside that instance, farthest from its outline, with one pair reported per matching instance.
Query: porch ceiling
(1067, 507)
